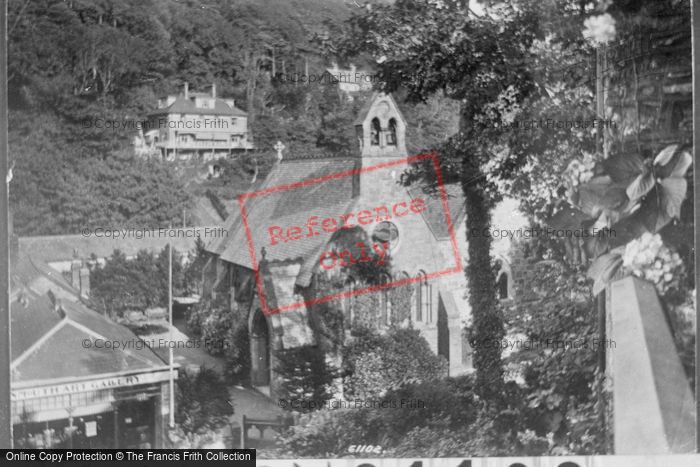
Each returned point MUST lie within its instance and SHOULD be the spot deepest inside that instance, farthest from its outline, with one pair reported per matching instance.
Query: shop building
(78, 379)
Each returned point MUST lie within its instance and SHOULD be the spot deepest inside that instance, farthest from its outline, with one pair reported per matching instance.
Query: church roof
(285, 206)
(434, 215)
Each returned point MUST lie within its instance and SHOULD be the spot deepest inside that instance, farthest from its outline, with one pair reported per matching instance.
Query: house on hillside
(419, 245)
(194, 126)
(350, 81)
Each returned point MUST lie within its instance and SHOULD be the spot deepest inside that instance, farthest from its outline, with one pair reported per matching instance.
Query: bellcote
(381, 128)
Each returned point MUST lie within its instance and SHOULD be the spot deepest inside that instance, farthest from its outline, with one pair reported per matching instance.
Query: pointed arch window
(384, 301)
(423, 298)
(349, 301)
(391, 134)
(375, 130)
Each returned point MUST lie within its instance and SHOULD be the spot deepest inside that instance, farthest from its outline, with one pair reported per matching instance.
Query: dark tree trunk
(487, 330)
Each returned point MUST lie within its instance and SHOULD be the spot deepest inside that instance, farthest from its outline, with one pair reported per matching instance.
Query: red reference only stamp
(341, 215)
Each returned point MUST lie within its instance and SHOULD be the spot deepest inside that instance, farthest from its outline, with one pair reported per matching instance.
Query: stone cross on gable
(279, 147)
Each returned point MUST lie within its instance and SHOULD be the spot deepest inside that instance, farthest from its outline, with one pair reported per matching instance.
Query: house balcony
(203, 145)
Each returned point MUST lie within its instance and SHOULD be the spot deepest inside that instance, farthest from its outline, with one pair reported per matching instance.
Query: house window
(423, 299)
(391, 134)
(374, 135)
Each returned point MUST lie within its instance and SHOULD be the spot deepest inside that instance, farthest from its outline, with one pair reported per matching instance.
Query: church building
(265, 268)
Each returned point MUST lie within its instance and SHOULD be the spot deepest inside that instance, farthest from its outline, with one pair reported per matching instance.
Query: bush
(305, 376)
(449, 409)
(238, 353)
(323, 433)
(376, 363)
(213, 321)
(202, 401)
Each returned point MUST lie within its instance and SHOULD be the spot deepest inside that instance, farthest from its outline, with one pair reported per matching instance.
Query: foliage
(647, 257)
(202, 401)
(322, 433)
(375, 363)
(626, 198)
(305, 376)
(447, 407)
(136, 284)
(556, 315)
(681, 316)
(123, 284)
(211, 320)
(238, 353)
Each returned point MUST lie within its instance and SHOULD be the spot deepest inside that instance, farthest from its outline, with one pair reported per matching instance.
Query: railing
(260, 433)
(204, 145)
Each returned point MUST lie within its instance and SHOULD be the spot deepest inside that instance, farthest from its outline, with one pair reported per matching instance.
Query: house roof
(54, 248)
(187, 106)
(48, 337)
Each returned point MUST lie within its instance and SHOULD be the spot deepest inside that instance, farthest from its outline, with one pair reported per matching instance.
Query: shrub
(323, 433)
(305, 376)
(202, 401)
(238, 353)
(376, 363)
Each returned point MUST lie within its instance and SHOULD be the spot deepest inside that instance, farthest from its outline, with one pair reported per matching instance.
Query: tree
(430, 47)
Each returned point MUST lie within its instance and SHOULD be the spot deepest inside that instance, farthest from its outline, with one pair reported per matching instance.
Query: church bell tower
(381, 129)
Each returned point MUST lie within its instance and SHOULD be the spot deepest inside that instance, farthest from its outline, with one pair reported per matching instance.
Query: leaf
(673, 191)
(599, 194)
(603, 269)
(626, 230)
(623, 167)
(640, 186)
(568, 218)
(596, 245)
(663, 157)
(651, 214)
(677, 167)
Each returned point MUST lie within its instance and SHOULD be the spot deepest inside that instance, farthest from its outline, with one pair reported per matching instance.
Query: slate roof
(47, 337)
(434, 215)
(288, 207)
(55, 248)
(187, 106)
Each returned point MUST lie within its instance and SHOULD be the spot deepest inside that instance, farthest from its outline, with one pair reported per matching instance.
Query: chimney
(187, 89)
(85, 281)
(57, 305)
(213, 90)
(75, 274)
